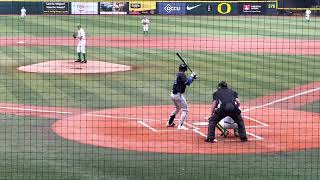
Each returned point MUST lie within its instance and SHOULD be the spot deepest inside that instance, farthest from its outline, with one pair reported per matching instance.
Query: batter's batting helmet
(183, 67)
(222, 84)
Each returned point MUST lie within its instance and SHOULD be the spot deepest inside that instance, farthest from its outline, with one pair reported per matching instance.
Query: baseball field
(105, 119)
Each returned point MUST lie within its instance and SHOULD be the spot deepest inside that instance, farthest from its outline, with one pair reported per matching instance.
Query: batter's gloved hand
(194, 75)
(74, 35)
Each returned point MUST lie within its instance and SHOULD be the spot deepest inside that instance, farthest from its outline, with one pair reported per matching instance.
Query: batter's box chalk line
(196, 130)
(261, 124)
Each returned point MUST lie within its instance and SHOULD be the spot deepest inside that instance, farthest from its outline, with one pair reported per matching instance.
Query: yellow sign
(228, 8)
(136, 6)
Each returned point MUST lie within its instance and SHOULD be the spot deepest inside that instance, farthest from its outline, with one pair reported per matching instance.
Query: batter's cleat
(210, 140)
(225, 134)
(244, 139)
(182, 128)
(171, 125)
(78, 60)
(85, 61)
(171, 119)
(236, 132)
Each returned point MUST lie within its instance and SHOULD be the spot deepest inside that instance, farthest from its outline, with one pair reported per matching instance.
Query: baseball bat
(184, 62)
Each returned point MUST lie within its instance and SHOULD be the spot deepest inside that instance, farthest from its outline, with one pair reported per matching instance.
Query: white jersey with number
(23, 12)
(81, 48)
(308, 12)
(81, 34)
(145, 22)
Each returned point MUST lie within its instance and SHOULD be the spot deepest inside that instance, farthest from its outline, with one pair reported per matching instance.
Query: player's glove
(74, 35)
(194, 75)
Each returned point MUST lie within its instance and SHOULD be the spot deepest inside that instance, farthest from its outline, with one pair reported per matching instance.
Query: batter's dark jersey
(179, 85)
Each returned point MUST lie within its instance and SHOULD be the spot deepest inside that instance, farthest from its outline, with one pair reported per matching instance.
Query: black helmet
(222, 84)
(183, 67)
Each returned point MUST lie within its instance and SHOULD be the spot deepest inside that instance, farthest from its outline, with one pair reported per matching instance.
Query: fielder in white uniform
(145, 23)
(81, 47)
(23, 13)
(229, 123)
(308, 12)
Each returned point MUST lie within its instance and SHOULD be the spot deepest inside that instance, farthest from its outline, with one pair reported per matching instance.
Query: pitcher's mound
(69, 66)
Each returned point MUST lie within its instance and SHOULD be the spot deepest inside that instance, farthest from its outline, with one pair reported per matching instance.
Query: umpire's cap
(183, 67)
(222, 84)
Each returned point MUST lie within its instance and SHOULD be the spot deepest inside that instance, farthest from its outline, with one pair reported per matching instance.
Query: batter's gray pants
(180, 103)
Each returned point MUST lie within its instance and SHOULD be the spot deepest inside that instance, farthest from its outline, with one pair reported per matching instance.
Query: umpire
(225, 103)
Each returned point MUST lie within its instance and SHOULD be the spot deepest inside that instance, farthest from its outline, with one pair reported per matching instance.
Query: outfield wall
(144, 7)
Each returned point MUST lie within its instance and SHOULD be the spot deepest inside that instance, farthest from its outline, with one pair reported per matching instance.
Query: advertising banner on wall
(251, 8)
(56, 8)
(171, 8)
(142, 7)
(84, 8)
(114, 7)
(199, 8)
(225, 8)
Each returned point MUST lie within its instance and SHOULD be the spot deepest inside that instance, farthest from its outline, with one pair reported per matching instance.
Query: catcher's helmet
(183, 67)
(222, 84)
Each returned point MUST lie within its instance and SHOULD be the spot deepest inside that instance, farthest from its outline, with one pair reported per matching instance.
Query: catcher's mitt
(74, 35)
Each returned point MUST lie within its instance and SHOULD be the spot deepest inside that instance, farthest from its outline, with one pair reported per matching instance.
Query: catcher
(145, 23)
(81, 47)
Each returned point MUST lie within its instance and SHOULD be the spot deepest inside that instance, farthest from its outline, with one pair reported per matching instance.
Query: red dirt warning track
(211, 44)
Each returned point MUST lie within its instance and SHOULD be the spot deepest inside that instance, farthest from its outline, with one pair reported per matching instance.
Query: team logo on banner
(170, 8)
(246, 7)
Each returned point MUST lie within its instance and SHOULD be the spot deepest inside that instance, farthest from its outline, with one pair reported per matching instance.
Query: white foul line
(147, 126)
(259, 122)
(282, 99)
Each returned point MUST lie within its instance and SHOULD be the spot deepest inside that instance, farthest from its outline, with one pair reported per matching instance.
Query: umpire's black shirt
(225, 98)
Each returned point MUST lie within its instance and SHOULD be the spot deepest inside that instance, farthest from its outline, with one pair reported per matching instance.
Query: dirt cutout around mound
(71, 67)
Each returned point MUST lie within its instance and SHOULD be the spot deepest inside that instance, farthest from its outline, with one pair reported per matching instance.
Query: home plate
(20, 42)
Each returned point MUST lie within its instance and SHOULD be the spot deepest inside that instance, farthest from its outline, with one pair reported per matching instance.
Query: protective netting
(135, 90)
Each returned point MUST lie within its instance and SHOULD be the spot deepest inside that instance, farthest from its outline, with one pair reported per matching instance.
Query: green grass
(30, 150)
(311, 107)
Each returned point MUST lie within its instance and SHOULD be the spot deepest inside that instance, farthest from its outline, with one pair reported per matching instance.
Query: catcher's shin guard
(224, 131)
